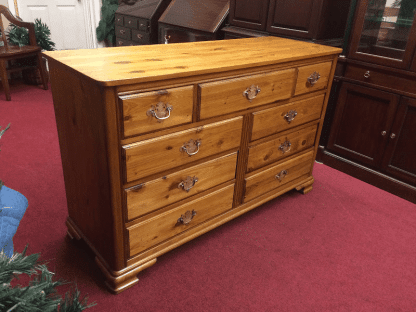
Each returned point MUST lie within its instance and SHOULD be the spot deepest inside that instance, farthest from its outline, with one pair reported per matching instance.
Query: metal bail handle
(187, 217)
(191, 147)
(161, 111)
(251, 92)
(280, 176)
(313, 78)
(285, 146)
(188, 183)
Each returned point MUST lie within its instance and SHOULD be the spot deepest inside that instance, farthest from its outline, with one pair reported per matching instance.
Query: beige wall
(5, 21)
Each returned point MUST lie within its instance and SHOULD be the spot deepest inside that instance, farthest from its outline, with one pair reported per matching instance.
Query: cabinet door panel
(250, 14)
(399, 158)
(362, 123)
(294, 18)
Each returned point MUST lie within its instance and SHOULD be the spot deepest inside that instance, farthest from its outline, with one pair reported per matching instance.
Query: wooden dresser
(163, 143)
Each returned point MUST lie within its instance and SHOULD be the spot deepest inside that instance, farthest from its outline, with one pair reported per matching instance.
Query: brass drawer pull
(187, 217)
(122, 31)
(280, 176)
(285, 146)
(392, 136)
(191, 147)
(167, 39)
(188, 183)
(313, 78)
(251, 92)
(139, 36)
(290, 115)
(367, 74)
(161, 111)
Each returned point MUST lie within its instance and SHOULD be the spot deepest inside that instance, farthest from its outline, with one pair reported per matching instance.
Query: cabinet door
(362, 122)
(384, 32)
(400, 156)
(250, 14)
(294, 18)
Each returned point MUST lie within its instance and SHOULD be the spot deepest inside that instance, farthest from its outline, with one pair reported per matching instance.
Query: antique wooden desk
(163, 143)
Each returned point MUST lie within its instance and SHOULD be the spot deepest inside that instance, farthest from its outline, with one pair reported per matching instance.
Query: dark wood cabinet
(372, 130)
(313, 20)
(193, 20)
(136, 24)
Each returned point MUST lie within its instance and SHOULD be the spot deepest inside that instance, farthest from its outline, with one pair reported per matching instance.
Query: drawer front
(131, 22)
(176, 149)
(277, 119)
(124, 43)
(166, 225)
(379, 78)
(231, 95)
(169, 189)
(123, 33)
(313, 77)
(119, 20)
(140, 37)
(157, 110)
(281, 147)
(267, 180)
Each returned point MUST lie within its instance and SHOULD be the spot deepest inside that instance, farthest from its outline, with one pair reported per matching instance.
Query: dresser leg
(306, 187)
(121, 280)
(71, 232)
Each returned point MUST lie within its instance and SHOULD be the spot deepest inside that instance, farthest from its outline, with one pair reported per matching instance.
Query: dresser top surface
(136, 64)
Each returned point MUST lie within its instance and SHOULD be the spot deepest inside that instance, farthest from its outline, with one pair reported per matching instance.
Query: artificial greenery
(106, 27)
(40, 295)
(20, 36)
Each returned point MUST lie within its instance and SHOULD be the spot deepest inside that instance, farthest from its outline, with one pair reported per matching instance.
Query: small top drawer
(231, 95)
(119, 20)
(313, 77)
(169, 151)
(283, 117)
(149, 111)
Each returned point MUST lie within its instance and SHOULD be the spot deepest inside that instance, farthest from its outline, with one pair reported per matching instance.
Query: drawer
(231, 95)
(284, 172)
(313, 77)
(171, 188)
(123, 42)
(280, 118)
(166, 225)
(280, 147)
(380, 78)
(119, 20)
(157, 110)
(169, 151)
(123, 33)
(140, 37)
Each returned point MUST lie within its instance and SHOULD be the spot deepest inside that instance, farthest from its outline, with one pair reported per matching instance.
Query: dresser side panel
(80, 118)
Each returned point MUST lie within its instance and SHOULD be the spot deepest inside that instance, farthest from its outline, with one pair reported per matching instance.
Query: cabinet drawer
(166, 225)
(123, 33)
(131, 22)
(231, 95)
(119, 20)
(276, 119)
(277, 176)
(280, 147)
(307, 80)
(140, 37)
(169, 189)
(157, 110)
(180, 148)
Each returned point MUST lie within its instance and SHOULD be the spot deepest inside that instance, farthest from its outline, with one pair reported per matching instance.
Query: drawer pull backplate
(280, 176)
(187, 217)
(290, 115)
(161, 111)
(188, 183)
(191, 147)
(285, 146)
(313, 78)
(251, 92)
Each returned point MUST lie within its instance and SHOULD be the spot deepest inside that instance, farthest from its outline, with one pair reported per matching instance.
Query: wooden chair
(8, 52)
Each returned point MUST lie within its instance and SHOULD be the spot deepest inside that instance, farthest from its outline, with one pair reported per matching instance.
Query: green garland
(106, 26)
(40, 295)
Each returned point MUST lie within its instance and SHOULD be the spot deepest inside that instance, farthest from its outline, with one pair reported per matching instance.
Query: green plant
(20, 36)
(106, 26)
(40, 295)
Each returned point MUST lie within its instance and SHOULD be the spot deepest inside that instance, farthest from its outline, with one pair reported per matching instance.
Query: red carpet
(345, 246)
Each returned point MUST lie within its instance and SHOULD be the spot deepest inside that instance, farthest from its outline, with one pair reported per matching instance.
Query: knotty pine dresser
(162, 143)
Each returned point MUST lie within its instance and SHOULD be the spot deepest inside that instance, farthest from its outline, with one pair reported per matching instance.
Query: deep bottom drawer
(277, 176)
(166, 225)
